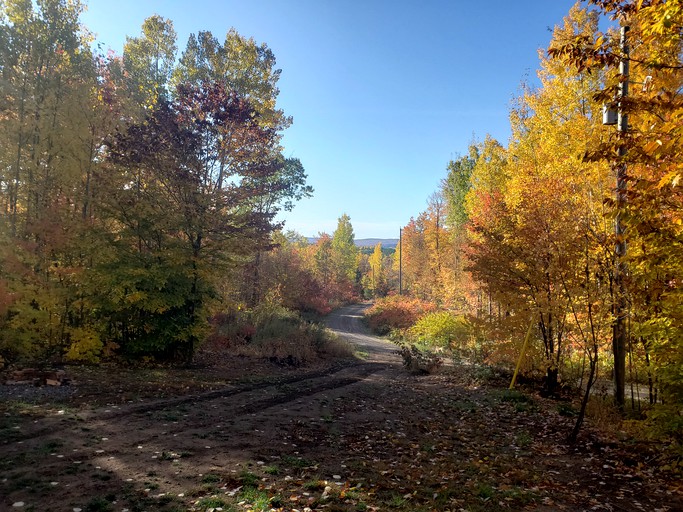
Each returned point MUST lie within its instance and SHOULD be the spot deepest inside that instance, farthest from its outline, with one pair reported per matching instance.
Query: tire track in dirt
(250, 398)
(237, 405)
(170, 443)
(378, 355)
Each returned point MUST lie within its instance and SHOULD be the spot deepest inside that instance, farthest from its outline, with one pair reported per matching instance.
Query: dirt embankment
(356, 435)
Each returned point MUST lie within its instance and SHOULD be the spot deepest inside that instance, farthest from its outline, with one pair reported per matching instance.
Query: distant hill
(387, 243)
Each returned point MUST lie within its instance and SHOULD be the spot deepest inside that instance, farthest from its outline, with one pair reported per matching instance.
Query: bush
(666, 424)
(442, 329)
(396, 313)
(276, 333)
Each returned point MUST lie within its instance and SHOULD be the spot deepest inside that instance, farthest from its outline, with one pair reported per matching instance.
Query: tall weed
(276, 333)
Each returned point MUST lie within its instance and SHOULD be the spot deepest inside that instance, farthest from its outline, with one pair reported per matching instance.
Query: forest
(140, 194)
(568, 238)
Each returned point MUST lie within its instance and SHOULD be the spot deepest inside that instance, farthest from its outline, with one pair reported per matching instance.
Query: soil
(361, 434)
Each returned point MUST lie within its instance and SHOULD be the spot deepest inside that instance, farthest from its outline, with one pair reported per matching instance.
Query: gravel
(31, 394)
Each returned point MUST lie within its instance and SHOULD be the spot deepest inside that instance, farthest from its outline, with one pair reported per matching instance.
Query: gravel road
(346, 322)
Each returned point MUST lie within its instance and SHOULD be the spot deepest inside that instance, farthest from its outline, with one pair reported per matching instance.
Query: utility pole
(400, 261)
(620, 307)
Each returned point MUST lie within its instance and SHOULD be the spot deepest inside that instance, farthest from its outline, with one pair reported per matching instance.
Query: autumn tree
(524, 235)
(414, 256)
(344, 254)
(241, 64)
(184, 210)
(376, 273)
(648, 155)
(129, 206)
(288, 278)
(49, 135)
(149, 61)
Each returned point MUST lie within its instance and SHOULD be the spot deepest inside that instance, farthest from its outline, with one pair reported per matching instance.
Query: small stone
(18, 504)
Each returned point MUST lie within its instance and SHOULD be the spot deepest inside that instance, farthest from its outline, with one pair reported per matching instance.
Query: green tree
(186, 219)
(344, 251)
(149, 61)
(456, 185)
(241, 65)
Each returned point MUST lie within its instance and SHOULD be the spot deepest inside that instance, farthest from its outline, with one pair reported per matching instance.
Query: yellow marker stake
(521, 355)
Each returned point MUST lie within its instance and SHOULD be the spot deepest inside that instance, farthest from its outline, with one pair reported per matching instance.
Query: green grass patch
(98, 504)
(271, 470)
(314, 485)
(296, 462)
(249, 479)
(211, 478)
(258, 498)
(212, 502)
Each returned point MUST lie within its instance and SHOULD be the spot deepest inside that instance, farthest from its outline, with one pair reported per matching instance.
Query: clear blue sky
(383, 93)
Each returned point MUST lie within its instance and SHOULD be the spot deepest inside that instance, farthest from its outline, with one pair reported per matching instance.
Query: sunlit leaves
(126, 243)
(149, 60)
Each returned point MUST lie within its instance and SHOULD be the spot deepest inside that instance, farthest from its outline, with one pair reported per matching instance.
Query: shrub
(276, 333)
(396, 313)
(442, 329)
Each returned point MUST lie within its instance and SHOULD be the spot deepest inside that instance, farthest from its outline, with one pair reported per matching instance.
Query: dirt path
(347, 323)
(358, 436)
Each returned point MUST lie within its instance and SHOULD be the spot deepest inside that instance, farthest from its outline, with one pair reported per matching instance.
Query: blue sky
(383, 93)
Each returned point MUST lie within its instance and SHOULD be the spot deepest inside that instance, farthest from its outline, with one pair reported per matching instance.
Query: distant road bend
(346, 322)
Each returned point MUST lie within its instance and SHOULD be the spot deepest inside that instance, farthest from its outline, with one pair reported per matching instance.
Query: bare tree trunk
(586, 396)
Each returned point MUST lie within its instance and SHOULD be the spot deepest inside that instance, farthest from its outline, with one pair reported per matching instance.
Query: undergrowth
(272, 332)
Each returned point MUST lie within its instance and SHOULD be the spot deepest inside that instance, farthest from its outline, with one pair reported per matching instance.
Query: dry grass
(603, 414)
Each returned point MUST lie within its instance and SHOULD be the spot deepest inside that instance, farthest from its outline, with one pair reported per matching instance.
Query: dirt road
(356, 436)
(156, 455)
(347, 323)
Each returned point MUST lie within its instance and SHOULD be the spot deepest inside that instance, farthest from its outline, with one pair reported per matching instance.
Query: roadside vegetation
(139, 249)
(515, 261)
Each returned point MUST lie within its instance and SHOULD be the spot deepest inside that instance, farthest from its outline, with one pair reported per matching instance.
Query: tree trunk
(551, 382)
(584, 402)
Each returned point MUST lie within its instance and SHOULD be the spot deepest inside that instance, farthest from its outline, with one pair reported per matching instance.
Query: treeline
(138, 192)
(521, 238)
